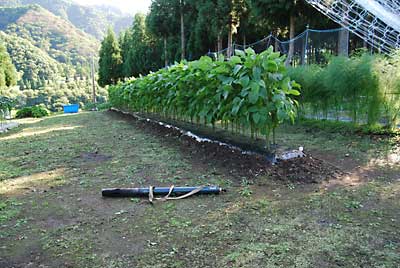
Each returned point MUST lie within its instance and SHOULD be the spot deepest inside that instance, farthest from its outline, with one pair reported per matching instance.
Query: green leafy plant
(248, 91)
(6, 104)
(35, 111)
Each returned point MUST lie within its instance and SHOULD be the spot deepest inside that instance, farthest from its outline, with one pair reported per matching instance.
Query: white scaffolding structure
(377, 22)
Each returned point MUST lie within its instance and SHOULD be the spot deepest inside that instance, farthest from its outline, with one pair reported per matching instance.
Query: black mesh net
(309, 47)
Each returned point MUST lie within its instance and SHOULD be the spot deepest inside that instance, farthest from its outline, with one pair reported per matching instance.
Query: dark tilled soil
(300, 170)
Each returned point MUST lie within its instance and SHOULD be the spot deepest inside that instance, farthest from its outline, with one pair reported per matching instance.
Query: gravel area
(4, 127)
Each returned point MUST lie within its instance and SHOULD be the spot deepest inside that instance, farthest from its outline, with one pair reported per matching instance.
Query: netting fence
(311, 46)
(376, 21)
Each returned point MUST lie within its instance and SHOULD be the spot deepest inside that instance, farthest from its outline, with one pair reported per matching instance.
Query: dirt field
(339, 207)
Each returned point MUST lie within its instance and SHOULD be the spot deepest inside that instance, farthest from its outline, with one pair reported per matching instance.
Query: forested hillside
(93, 20)
(42, 79)
(52, 56)
(44, 46)
(33, 64)
(60, 39)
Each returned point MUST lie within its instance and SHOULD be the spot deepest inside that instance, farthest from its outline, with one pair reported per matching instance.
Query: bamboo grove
(248, 91)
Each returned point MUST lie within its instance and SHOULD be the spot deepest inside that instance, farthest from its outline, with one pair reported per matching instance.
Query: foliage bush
(365, 87)
(247, 91)
(35, 111)
(6, 104)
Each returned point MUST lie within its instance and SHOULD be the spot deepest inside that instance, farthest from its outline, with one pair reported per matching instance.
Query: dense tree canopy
(8, 74)
(187, 29)
(51, 56)
(138, 52)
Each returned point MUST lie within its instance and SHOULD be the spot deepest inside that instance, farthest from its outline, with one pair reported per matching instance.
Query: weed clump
(363, 89)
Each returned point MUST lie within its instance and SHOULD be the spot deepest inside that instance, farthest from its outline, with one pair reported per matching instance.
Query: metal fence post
(304, 56)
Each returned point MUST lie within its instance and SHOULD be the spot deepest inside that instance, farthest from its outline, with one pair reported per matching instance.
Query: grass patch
(60, 219)
(346, 127)
(9, 209)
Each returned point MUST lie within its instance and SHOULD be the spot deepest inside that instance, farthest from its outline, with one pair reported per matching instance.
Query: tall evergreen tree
(230, 13)
(110, 61)
(136, 60)
(163, 21)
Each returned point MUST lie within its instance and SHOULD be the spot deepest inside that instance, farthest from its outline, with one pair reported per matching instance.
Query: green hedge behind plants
(365, 87)
(35, 111)
(247, 91)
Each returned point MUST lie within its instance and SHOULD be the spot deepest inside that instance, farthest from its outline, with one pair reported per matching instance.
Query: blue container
(71, 109)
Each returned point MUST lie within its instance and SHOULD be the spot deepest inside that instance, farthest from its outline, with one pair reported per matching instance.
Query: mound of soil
(234, 162)
(305, 170)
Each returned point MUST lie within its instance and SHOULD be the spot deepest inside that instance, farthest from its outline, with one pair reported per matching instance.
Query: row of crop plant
(249, 91)
(364, 88)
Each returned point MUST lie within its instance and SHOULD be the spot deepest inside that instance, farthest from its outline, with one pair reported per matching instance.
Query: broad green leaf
(253, 109)
(225, 79)
(253, 95)
(270, 66)
(250, 51)
(235, 60)
(296, 85)
(240, 53)
(261, 83)
(237, 69)
(294, 92)
(244, 81)
(235, 109)
(256, 117)
(257, 73)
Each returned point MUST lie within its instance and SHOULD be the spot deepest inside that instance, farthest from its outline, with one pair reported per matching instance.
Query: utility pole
(181, 4)
(93, 84)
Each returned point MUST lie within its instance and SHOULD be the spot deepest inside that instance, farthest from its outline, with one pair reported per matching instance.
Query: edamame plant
(248, 91)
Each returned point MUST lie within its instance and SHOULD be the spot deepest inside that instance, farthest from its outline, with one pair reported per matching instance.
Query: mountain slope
(93, 20)
(59, 38)
(52, 56)
(33, 64)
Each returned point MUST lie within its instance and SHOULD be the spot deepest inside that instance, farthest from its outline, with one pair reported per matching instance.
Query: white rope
(171, 189)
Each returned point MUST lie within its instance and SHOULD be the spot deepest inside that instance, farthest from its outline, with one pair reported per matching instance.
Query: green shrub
(35, 111)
